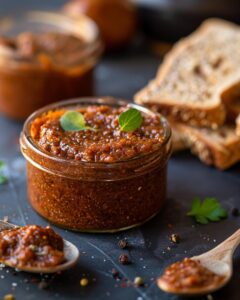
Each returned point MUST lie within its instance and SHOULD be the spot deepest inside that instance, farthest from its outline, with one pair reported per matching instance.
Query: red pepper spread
(32, 246)
(188, 275)
(44, 67)
(57, 46)
(107, 143)
(97, 179)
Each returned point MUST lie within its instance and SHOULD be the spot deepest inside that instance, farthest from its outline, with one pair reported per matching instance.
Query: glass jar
(28, 84)
(95, 196)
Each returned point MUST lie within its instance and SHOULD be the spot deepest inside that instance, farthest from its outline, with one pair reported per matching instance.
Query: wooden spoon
(71, 254)
(218, 260)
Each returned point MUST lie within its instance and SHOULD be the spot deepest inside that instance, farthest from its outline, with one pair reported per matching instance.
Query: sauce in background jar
(45, 57)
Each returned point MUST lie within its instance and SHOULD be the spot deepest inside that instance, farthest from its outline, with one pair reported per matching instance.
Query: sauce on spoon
(31, 246)
(188, 275)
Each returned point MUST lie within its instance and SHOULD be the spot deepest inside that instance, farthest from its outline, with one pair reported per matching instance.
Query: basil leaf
(73, 121)
(130, 120)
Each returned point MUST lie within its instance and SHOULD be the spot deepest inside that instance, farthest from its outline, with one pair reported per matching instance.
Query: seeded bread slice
(178, 141)
(238, 125)
(220, 148)
(231, 97)
(192, 76)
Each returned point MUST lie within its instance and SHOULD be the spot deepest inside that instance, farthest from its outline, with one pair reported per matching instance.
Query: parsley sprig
(207, 210)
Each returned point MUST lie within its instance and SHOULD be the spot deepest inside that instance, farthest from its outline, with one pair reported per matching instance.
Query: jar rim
(91, 101)
(82, 26)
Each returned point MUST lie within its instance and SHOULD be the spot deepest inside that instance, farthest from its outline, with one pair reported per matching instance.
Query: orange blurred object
(116, 19)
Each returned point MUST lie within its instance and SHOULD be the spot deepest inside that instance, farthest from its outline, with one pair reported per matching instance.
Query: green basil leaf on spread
(73, 121)
(207, 210)
(130, 120)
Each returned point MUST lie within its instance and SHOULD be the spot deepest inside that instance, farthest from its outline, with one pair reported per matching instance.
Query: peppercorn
(175, 238)
(43, 285)
(123, 259)
(115, 273)
(138, 281)
(123, 244)
(8, 297)
(84, 282)
(235, 212)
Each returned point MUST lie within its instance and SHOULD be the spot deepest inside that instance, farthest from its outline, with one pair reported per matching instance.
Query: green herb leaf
(3, 179)
(73, 121)
(130, 120)
(208, 210)
(2, 164)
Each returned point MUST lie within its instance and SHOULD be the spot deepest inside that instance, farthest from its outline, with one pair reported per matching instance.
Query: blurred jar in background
(169, 20)
(116, 19)
(45, 57)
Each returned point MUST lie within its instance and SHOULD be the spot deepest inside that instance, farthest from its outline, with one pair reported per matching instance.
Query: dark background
(121, 75)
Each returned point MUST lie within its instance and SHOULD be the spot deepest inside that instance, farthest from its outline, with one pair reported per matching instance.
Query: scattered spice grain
(138, 281)
(123, 244)
(115, 273)
(84, 282)
(123, 259)
(43, 285)
(9, 297)
(175, 238)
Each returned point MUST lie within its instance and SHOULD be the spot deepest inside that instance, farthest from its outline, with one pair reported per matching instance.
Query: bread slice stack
(238, 125)
(197, 88)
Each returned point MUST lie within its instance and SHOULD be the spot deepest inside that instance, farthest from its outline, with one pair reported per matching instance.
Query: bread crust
(230, 95)
(220, 152)
(238, 126)
(209, 117)
(197, 114)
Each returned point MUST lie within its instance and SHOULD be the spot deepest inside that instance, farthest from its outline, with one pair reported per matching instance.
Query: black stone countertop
(122, 75)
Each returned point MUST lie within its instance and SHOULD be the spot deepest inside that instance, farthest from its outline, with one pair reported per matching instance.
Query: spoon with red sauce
(202, 274)
(35, 249)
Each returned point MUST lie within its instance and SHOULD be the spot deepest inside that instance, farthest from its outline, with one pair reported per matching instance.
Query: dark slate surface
(121, 75)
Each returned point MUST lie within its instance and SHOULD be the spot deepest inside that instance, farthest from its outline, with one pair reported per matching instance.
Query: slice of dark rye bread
(220, 148)
(193, 75)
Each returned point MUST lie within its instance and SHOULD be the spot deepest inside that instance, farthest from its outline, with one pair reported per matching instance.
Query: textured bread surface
(194, 74)
(219, 148)
(230, 96)
(238, 126)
